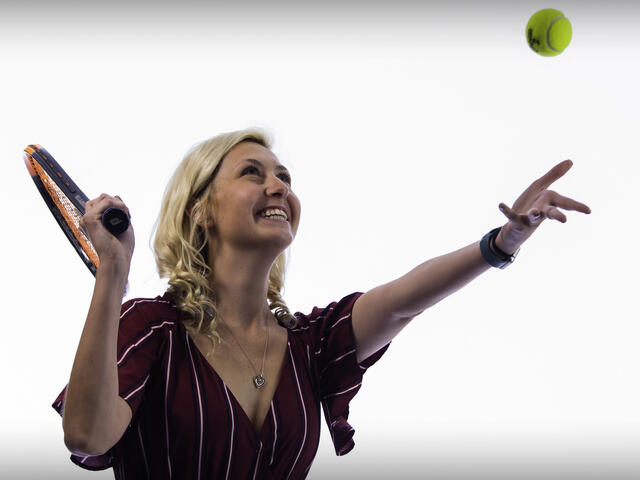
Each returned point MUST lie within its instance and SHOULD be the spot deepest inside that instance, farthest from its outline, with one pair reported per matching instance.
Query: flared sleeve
(140, 340)
(338, 373)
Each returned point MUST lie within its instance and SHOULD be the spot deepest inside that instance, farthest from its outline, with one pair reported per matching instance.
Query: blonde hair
(181, 245)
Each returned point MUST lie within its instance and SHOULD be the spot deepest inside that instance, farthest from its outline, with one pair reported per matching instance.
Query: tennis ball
(548, 32)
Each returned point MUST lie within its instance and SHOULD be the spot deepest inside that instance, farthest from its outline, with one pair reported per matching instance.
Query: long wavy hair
(181, 245)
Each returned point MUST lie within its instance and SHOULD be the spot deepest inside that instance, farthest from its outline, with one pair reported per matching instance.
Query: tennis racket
(67, 203)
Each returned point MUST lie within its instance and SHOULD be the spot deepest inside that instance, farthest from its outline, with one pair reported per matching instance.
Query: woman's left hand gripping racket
(67, 203)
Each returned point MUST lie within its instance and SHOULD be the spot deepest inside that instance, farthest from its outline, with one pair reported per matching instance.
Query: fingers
(579, 207)
(535, 215)
(550, 212)
(555, 214)
(95, 208)
(104, 201)
(506, 211)
(538, 203)
(557, 200)
(123, 206)
(529, 219)
(552, 175)
(82, 227)
(559, 170)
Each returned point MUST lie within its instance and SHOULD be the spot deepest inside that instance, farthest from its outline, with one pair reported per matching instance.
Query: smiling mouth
(274, 213)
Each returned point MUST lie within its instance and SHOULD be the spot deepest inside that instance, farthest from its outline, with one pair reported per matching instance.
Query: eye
(286, 177)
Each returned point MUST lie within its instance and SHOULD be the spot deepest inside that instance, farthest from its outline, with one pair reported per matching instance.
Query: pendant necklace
(258, 381)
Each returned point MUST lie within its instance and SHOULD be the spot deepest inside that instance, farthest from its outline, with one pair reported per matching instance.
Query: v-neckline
(285, 363)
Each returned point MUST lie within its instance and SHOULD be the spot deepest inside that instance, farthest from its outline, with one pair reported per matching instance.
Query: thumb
(506, 211)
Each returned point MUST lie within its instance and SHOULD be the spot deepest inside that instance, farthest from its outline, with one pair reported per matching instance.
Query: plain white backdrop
(404, 126)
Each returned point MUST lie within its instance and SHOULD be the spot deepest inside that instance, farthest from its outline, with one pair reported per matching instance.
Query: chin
(277, 242)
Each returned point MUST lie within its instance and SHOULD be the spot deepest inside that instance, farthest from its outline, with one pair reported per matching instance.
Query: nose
(276, 187)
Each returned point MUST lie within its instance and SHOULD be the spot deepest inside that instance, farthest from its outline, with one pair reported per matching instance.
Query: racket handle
(115, 220)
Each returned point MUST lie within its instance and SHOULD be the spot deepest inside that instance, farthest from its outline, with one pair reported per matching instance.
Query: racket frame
(39, 161)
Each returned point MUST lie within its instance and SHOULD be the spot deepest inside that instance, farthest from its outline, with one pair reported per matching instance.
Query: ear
(203, 222)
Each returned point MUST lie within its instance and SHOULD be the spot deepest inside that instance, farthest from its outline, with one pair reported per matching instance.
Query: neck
(240, 282)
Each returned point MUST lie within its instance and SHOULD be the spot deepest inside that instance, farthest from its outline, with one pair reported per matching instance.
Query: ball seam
(549, 31)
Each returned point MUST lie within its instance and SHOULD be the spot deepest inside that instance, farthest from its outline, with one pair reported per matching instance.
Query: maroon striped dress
(187, 424)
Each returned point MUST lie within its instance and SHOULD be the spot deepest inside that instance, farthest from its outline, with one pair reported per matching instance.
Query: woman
(216, 378)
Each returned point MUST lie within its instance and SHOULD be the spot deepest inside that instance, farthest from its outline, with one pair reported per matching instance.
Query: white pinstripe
(336, 360)
(340, 320)
(326, 407)
(138, 389)
(144, 454)
(233, 424)
(344, 391)
(166, 395)
(311, 322)
(195, 375)
(151, 331)
(257, 462)
(304, 410)
(275, 432)
(143, 300)
(139, 301)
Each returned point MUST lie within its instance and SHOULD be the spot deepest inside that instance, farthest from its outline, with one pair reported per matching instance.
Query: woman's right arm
(95, 416)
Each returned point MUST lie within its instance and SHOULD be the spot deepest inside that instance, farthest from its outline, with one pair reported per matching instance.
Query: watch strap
(498, 259)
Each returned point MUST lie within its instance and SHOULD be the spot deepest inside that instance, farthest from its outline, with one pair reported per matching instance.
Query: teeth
(271, 212)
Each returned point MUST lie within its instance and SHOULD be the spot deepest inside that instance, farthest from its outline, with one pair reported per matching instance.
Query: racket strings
(68, 211)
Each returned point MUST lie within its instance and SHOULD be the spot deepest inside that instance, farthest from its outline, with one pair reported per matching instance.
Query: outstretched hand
(534, 205)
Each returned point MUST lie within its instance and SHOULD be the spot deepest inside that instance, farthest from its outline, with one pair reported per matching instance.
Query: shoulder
(328, 316)
(162, 304)
(138, 313)
(145, 324)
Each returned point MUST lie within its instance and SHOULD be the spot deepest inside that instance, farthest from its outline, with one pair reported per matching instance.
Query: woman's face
(251, 179)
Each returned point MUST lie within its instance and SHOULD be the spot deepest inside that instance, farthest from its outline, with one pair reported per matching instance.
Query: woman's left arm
(380, 314)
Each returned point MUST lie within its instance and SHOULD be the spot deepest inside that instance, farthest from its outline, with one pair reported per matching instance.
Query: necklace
(258, 381)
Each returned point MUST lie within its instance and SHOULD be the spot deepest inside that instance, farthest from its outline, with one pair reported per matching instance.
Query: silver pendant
(259, 381)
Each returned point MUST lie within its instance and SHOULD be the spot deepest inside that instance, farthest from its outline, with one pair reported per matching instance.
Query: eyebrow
(257, 162)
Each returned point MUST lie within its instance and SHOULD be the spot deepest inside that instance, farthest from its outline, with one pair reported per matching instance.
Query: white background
(404, 127)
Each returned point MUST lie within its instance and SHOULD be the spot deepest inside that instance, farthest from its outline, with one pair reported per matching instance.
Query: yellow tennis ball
(548, 32)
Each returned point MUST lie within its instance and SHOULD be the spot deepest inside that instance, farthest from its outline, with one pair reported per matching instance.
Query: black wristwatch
(502, 260)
